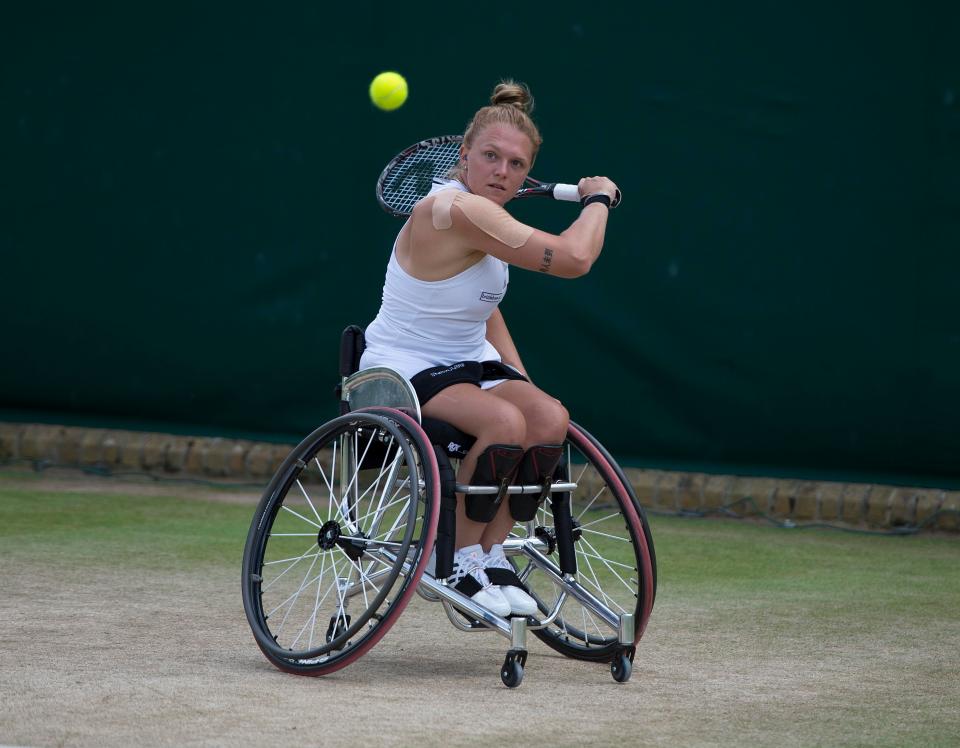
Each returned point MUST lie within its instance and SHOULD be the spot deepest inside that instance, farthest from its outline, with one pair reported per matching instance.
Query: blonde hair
(510, 104)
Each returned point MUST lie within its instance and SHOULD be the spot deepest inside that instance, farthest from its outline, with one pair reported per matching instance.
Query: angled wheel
(336, 546)
(511, 673)
(620, 667)
(614, 556)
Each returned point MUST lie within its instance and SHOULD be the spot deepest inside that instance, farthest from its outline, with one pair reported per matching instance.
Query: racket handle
(572, 193)
(566, 192)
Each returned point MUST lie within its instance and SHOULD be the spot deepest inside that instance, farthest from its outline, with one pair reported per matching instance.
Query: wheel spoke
(595, 497)
(601, 519)
(297, 514)
(618, 538)
(307, 497)
(296, 593)
(372, 488)
(294, 562)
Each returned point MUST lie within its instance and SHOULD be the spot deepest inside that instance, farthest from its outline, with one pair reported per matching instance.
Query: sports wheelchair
(361, 515)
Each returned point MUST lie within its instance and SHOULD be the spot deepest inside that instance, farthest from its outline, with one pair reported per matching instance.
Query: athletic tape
(486, 215)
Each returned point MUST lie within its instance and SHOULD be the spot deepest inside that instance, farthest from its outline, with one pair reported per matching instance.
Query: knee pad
(495, 467)
(537, 466)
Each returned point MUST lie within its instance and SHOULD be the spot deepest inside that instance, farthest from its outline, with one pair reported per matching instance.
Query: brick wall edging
(851, 504)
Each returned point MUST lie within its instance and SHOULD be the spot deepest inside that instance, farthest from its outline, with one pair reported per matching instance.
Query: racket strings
(412, 177)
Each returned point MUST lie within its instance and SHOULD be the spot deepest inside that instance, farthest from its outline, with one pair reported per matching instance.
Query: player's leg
(545, 421)
(499, 429)
(491, 420)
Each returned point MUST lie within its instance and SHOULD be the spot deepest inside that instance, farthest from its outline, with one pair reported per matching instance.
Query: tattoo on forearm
(547, 260)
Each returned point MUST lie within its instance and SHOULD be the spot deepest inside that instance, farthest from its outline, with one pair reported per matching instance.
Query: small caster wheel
(511, 673)
(621, 667)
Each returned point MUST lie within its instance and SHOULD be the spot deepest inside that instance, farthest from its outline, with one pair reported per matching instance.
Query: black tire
(511, 673)
(621, 667)
(342, 526)
(614, 557)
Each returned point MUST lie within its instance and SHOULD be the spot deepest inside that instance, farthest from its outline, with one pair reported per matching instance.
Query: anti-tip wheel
(511, 673)
(621, 667)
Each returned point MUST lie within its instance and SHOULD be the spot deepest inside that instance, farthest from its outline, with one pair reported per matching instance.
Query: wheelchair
(361, 516)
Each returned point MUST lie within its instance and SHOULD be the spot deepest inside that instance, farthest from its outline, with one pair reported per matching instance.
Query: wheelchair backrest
(352, 344)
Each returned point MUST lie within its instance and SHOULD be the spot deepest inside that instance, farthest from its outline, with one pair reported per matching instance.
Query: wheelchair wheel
(614, 552)
(336, 547)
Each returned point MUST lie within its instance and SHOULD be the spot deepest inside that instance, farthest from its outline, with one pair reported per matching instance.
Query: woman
(440, 327)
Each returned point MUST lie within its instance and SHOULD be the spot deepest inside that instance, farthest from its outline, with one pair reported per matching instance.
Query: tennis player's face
(497, 162)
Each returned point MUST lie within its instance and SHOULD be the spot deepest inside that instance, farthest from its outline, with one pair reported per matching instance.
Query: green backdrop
(188, 218)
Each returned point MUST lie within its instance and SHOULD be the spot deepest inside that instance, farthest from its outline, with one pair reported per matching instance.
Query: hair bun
(512, 93)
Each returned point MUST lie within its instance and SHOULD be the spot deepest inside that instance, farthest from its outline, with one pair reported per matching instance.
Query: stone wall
(848, 504)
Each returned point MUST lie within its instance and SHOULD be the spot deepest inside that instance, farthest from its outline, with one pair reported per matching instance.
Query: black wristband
(598, 198)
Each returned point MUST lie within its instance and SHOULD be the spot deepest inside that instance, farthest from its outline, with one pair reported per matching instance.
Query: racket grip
(568, 192)
(572, 193)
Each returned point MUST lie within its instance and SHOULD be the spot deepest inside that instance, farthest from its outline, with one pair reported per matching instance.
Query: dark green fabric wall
(188, 218)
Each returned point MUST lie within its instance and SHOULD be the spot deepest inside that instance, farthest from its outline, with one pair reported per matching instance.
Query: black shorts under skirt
(429, 382)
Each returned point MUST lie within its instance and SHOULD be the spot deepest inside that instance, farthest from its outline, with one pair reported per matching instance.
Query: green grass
(145, 531)
(703, 560)
(697, 557)
(722, 559)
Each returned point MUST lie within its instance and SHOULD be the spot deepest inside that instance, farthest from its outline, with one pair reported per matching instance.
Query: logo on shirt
(491, 297)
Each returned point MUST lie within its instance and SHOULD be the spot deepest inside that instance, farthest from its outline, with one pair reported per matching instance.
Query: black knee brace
(537, 466)
(447, 521)
(495, 467)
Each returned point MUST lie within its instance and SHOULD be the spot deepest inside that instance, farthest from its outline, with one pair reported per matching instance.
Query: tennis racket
(411, 174)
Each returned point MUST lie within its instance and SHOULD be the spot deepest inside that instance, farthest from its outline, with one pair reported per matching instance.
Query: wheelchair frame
(390, 471)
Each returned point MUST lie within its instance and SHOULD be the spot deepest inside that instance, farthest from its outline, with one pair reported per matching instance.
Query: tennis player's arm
(499, 337)
(569, 254)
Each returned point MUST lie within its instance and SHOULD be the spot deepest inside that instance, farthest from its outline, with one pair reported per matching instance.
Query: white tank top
(435, 323)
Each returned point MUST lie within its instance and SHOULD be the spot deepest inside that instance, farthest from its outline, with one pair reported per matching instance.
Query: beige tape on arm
(441, 209)
(486, 215)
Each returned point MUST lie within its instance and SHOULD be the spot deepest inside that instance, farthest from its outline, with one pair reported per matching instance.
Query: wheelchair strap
(505, 578)
(563, 525)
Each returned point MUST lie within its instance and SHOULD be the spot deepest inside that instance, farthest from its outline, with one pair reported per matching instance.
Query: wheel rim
(337, 541)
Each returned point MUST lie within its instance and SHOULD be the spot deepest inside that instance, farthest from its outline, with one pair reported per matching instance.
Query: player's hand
(596, 185)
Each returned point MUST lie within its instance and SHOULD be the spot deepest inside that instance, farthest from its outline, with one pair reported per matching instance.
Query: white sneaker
(469, 578)
(501, 572)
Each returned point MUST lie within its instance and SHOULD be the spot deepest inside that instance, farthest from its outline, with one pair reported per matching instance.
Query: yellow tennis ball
(388, 91)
